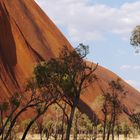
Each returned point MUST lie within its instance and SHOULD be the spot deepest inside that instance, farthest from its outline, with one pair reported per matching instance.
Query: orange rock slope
(28, 36)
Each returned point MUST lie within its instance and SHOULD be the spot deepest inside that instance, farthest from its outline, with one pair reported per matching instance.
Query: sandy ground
(37, 137)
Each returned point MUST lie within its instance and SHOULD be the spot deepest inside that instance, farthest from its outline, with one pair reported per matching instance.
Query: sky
(104, 25)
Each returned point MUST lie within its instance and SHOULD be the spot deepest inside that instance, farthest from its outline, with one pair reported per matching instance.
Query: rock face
(28, 36)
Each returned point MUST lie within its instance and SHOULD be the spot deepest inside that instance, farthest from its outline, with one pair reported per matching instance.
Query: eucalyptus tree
(47, 96)
(3, 110)
(135, 119)
(17, 105)
(33, 99)
(70, 74)
(112, 107)
(135, 38)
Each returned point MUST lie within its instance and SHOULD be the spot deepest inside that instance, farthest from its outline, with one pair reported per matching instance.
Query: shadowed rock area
(28, 36)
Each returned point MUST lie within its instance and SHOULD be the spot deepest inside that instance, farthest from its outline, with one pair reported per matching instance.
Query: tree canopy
(135, 38)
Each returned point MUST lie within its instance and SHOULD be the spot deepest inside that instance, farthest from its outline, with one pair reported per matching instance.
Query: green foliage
(118, 129)
(135, 38)
(126, 130)
(67, 76)
(135, 119)
(31, 84)
(4, 106)
(83, 121)
(15, 99)
(25, 124)
(65, 72)
(116, 85)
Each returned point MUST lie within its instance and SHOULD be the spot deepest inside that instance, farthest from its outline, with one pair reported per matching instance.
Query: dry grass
(37, 137)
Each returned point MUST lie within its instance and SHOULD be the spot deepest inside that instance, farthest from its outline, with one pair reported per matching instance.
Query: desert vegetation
(51, 100)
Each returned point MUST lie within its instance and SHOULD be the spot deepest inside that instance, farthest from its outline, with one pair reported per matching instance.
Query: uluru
(27, 37)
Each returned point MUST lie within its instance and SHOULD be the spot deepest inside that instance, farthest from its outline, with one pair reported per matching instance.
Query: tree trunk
(105, 111)
(118, 136)
(113, 125)
(13, 123)
(7, 120)
(108, 134)
(1, 112)
(104, 128)
(47, 134)
(14, 120)
(109, 129)
(71, 119)
(75, 129)
(29, 126)
(33, 120)
(55, 136)
(40, 135)
(62, 137)
(70, 123)
(40, 129)
(95, 132)
(113, 121)
(110, 126)
(63, 120)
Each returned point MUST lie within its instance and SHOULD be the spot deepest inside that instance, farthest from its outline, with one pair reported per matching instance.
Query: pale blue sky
(114, 3)
(104, 25)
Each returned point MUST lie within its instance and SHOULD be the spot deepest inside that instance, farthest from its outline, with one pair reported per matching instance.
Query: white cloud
(84, 21)
(121, 52)
(125, 67)
(130, 67)
(137, 67)
(134, 83)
